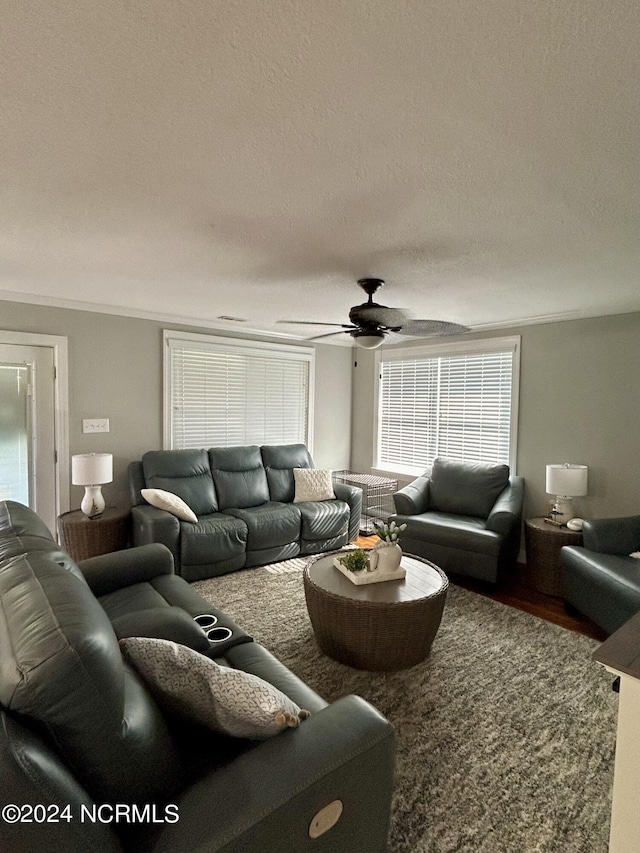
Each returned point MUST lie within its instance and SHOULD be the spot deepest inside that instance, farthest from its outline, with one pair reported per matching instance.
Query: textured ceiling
(195, 158)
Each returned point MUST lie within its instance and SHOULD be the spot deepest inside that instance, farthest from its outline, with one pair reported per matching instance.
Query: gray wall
(579, 402)
(579, 398)
(115, 372)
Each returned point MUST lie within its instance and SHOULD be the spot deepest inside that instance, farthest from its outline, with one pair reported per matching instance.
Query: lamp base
(563, 509)
(93, 502)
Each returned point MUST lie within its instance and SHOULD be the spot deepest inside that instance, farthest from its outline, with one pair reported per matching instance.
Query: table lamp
(566, 482)
(92, 470)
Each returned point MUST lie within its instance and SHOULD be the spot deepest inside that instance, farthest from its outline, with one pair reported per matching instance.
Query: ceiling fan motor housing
(371, 285)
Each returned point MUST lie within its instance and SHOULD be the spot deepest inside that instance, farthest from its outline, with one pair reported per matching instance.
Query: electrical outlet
(95, 425)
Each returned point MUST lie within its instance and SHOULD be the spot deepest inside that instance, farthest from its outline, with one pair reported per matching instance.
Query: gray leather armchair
(601, 579)
(466, 518)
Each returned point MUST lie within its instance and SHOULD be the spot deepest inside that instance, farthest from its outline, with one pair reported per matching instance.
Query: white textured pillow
(226, 700)
(313, 484)
(172, 503)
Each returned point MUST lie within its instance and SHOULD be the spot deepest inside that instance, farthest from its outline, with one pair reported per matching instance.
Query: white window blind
(454, 404)
(229, 392)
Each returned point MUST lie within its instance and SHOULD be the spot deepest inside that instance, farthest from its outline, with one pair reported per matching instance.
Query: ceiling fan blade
(378, 315)
(331, 334)
(312, 323)
(424, 328)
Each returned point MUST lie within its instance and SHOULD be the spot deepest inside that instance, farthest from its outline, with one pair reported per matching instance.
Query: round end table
(379, 626)
(544, 542)
(85, 537)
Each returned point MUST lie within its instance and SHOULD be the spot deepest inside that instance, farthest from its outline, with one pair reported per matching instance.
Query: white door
(28, 465)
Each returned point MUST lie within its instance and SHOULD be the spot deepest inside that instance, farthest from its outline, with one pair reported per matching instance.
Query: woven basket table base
(375, 629)
(86, 537)
(544, 543)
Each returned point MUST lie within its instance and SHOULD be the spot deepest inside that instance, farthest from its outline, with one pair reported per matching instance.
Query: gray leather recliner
(82, 739)
(601, 579)
(466, 518)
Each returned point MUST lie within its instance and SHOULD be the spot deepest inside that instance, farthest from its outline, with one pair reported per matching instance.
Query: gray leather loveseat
(243, 498)
(601, 580)
(466, 518)
(83, 740)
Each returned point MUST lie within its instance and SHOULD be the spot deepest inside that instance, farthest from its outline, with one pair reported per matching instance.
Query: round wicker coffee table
(379, 626)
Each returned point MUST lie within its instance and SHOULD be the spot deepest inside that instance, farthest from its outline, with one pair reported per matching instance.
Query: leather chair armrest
(150, 524)
(507, 510)
(414, 497)
(612, 535)
(162, 623)
(266, 798)
(109, 572)
(351, 495)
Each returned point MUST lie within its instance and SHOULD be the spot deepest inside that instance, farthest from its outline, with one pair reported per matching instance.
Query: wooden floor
(517, 592)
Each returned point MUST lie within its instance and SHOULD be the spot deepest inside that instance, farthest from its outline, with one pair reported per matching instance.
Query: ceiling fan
(371, 323)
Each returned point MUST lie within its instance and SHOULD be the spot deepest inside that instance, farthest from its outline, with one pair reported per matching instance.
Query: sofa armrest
(266, 798)
(351, 495)
(612, 535)
(507, 510)
(150, 524)
(109, 572)
(414, 497)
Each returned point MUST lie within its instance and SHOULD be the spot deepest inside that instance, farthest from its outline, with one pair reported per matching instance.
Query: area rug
(505, 734)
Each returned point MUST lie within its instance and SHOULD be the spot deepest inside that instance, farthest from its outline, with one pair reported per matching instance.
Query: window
(221, 392)
(454, 400)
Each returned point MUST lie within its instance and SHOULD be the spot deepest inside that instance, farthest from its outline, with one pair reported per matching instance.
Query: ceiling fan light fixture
(368, 340)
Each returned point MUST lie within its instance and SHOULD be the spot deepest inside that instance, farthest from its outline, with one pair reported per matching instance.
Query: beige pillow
(313, 484)
(189, 684)
(172, 503)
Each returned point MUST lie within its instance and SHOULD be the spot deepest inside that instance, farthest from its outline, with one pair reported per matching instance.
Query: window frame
(482, 346)
(173, 340)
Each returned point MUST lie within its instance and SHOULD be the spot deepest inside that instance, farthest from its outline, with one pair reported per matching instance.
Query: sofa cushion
(239, 476)
(18, 520)
(270, 525)
(464, 488)
(279, 461)
(465, 533)
(212, 539)
(169, 502)
(22, 532)
(62, 669)
(194, 687)
(324, 519)
(313, 484)
(185, 473)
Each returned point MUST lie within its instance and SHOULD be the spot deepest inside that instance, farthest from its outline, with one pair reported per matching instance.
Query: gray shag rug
(505, 734)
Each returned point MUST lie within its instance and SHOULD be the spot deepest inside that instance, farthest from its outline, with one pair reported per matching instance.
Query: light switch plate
(95, 425)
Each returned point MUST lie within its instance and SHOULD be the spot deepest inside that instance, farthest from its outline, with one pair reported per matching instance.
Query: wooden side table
(543, 543)
(85, 537)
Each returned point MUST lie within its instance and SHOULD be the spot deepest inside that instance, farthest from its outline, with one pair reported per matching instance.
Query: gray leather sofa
(465, 518)
(243, 498)
(600, 579)
(81, 735)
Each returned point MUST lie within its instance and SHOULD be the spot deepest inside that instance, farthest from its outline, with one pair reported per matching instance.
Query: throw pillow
(172, 503)
(187, 683)
(313, 484)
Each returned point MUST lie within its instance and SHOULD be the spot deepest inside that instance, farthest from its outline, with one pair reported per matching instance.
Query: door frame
(59, 345)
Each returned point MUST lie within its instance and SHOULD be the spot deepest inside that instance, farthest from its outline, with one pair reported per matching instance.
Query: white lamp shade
(91, 469)
(567, 480)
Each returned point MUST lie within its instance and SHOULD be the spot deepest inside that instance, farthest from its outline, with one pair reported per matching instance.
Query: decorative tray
(360, 578)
